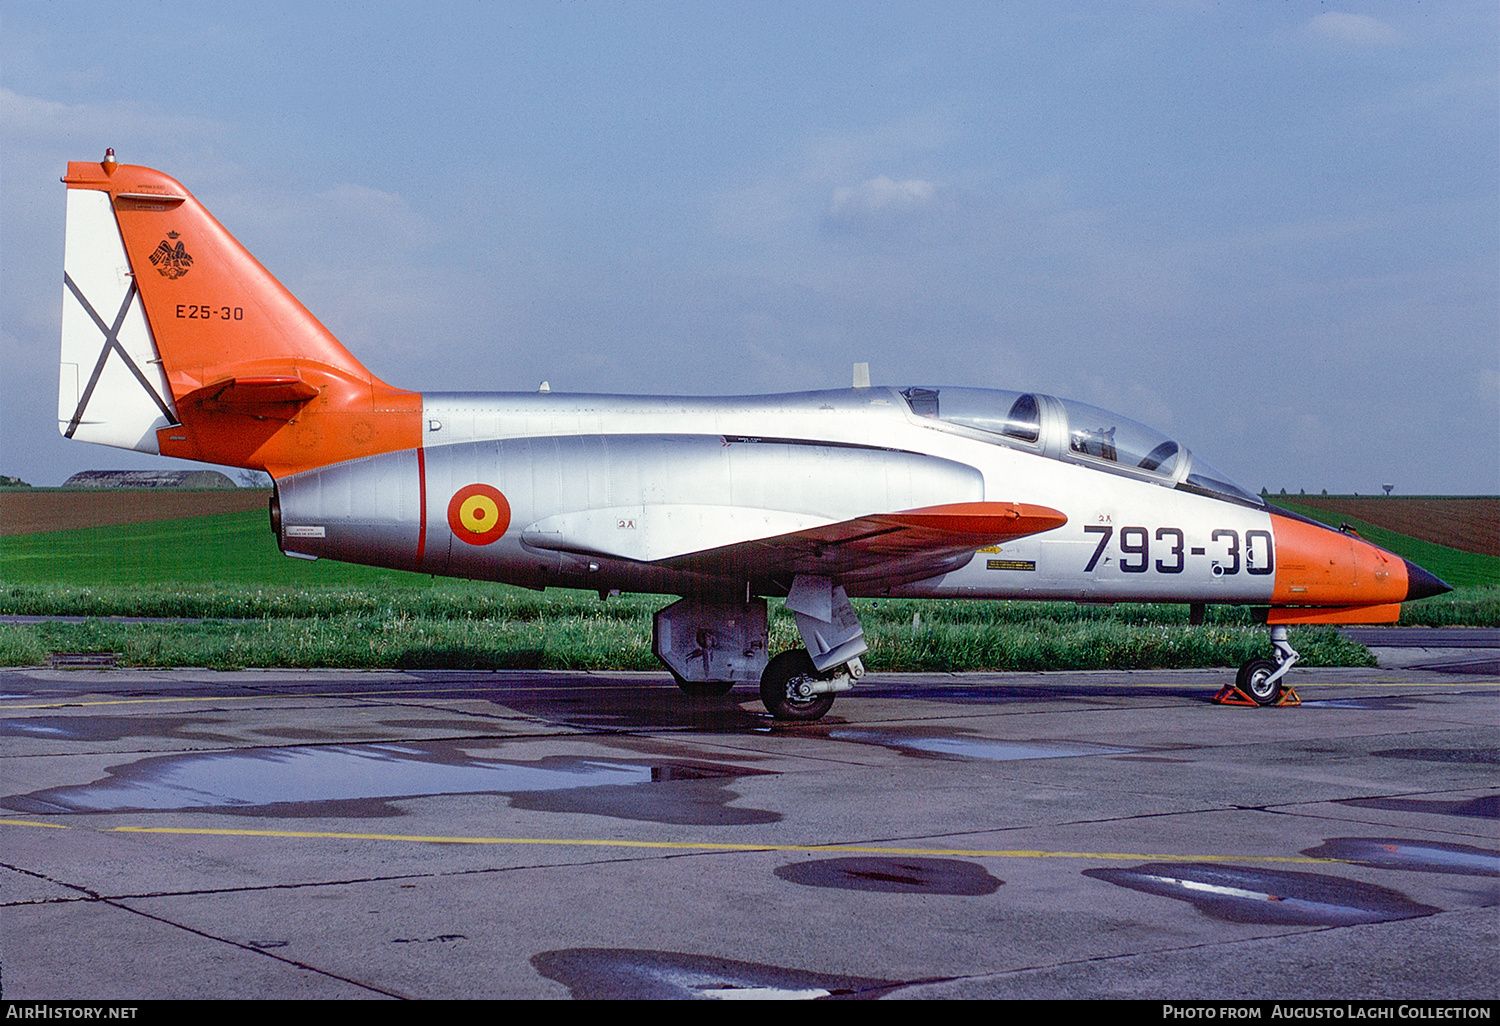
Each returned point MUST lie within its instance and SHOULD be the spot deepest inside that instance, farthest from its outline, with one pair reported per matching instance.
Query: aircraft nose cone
(1420, 583)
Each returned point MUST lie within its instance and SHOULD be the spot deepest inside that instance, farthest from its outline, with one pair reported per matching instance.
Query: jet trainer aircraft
(175, 340)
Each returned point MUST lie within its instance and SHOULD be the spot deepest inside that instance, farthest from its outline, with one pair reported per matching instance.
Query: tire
(1254, 679)
(780, 675)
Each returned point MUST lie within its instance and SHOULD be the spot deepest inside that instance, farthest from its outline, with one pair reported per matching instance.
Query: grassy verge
(1462, 607)
(266, 610)
(464, 625)
(478, 600)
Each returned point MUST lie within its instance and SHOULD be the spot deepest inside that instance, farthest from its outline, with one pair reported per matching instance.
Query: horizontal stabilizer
(272, 388)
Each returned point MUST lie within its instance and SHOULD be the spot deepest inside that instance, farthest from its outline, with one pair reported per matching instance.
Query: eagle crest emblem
(172, 261)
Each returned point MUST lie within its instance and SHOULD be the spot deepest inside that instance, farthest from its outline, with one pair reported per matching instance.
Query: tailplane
(176, 340)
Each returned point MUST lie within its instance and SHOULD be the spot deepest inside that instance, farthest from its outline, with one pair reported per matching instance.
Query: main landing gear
(710, 645)
(793, 689)
(1259, 681)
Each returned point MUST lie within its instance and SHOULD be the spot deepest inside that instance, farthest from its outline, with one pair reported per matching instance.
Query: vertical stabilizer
(176, 340)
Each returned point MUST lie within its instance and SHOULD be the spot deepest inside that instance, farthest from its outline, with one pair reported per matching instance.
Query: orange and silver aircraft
(175, 340)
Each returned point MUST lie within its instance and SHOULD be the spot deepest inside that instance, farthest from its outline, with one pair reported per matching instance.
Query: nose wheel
(1260, 681)
(1257, 678)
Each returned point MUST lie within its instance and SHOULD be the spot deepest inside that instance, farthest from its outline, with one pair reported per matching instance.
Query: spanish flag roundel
(478, 514)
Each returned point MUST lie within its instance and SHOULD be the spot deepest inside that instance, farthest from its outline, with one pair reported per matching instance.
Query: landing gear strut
(1259, 681)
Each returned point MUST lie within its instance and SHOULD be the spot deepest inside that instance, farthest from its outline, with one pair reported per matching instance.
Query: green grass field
(235, 549)
(264, 609)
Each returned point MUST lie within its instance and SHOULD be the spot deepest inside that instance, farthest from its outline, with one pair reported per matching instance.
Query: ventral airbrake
(175, 340)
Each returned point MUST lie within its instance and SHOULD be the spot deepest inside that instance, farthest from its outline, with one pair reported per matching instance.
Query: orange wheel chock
(1229, 694)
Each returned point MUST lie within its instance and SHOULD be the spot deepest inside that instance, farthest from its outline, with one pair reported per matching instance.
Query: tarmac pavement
(525, 834)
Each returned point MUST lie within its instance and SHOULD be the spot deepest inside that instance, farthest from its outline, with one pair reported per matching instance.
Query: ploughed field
(34, 510)
(1467, 522)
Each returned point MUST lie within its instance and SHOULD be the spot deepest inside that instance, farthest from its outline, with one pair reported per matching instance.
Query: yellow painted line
(585, 842)
(30, 823)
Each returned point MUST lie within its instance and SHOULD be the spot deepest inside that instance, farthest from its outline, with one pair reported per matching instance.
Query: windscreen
(1092, 434)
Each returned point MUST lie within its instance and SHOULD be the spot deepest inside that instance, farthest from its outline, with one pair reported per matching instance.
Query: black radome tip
(1420, 583)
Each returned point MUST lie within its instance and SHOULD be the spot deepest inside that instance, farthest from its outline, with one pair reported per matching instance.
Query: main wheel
(1254, 679)
(779, 688)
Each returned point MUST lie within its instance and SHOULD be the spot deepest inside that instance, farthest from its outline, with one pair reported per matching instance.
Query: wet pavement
(534, 834)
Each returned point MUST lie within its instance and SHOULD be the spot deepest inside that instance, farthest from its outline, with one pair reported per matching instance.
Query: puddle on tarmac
(362, 780)
(1485, 807)
(973, 748)
(1056, 687)
(35, 728)
(906, 875)
(1244, 894)
(117, 728)
(700, 797)
(606, 706)
(595, 974)
(1480, 756)
(1418, 856)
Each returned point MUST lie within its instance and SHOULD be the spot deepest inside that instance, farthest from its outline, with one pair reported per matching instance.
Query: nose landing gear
(1259, 681)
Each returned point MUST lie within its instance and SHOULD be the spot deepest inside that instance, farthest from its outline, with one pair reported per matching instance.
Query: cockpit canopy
(1076, 432)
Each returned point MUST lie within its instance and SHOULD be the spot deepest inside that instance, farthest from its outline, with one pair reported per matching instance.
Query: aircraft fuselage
(606, 473)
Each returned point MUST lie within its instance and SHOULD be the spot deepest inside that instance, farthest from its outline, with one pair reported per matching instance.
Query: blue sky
(1271, 230)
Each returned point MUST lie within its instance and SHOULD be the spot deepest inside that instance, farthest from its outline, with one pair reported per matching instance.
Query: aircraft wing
(908, 542)
(733, 541)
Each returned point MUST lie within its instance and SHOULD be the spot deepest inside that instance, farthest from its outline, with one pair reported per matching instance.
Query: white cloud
(48, 121)
(792, 196)
(346, 222)
(830, 157)
(1351, 30)
(881, 202)
(1487, 386)
(881, 194)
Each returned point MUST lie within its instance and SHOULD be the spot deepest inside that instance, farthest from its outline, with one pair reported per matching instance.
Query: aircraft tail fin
(176, 340)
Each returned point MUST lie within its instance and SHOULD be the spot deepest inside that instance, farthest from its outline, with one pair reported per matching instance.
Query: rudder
(111, 388)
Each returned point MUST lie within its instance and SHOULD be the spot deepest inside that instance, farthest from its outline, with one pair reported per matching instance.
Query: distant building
(149, 479)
